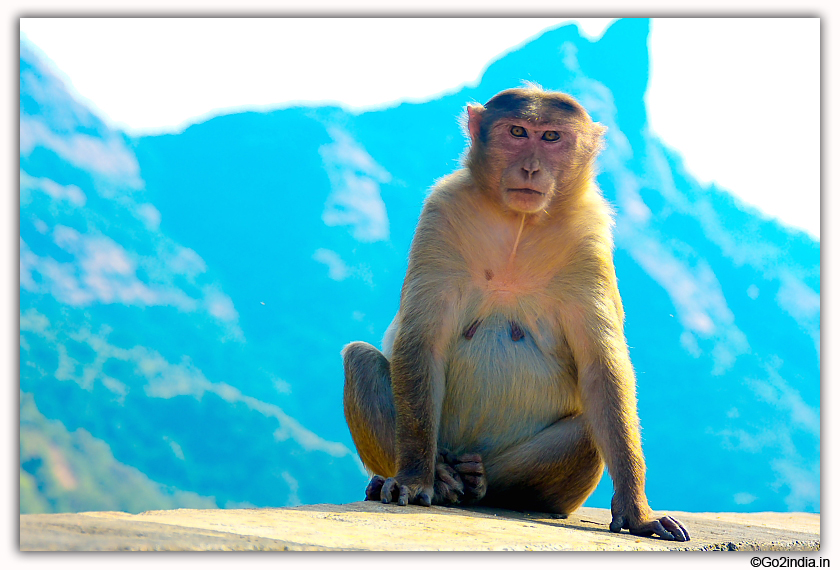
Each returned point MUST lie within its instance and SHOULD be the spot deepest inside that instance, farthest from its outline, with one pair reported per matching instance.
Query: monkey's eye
(518, 131)
(551, 136)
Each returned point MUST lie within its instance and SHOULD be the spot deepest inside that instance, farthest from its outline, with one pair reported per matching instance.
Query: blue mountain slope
(130, 338)
(258, 244)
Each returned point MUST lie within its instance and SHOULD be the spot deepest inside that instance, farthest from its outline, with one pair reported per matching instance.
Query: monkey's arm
(418, 384)
(593, 323)
(417, 362)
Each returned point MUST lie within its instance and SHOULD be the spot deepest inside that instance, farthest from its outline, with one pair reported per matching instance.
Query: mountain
(130, 341)
(185, 297)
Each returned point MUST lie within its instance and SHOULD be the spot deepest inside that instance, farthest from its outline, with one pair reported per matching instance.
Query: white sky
(738, 98)
(828, 9)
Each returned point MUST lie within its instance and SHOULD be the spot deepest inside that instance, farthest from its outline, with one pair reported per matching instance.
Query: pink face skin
(533, 157)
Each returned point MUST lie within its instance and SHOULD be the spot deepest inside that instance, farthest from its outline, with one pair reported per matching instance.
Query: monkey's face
(534, 161)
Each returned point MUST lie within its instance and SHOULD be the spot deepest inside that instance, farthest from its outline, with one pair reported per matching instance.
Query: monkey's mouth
(527, 191)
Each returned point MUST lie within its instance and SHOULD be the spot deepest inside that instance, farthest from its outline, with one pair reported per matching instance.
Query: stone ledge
(374, 526)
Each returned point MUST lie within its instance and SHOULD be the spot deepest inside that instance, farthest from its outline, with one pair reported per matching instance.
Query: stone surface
(374, 526)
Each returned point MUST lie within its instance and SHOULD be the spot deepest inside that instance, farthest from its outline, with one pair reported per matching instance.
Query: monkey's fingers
(618, 523)
(475, 487)
(471, 470)
(374, 488)
(676, 528)
(448, 487)
(403, 500)
(665, 527)
(445, 495)
(390, 490)
(468, 458)
(393, 492)
(645, 529)
(469, 467)
(450, 458)
(449, 476)
(423, 500)
(406, 497)
(652, 527)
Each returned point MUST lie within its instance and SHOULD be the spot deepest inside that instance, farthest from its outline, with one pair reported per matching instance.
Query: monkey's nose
(532, 166)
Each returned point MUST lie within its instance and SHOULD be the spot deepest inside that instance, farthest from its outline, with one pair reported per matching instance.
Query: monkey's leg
(371, 416)
(369, 407)
(554, 472)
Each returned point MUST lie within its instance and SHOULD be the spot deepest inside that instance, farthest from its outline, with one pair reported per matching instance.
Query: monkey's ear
(474, 113)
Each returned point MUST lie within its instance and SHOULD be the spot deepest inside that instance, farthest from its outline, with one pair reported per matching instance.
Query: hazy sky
(722, 92)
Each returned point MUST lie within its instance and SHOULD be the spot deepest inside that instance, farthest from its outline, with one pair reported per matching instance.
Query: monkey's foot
(449, 489)
(666, 527)
(468, 469)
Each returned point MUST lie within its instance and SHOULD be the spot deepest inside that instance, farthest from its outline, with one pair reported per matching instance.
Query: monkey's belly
(501, 391)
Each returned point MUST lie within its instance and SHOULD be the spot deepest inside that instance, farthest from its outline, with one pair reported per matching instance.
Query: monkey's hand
(400, 489)
(641, 521)
(374, 488)
(448, 488)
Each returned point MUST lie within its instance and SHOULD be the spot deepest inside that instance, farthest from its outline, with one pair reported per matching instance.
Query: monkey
(505, 378)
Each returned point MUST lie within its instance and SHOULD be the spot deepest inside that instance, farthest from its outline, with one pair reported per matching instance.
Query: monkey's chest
(505, 382)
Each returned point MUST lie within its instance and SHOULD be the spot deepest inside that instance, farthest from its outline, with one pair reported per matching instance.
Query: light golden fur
(545, 408)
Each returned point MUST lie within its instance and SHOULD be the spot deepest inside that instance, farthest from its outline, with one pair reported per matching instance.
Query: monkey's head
(529, 146)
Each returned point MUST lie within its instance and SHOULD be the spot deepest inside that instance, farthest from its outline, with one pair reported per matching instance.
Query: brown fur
(509, 340)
